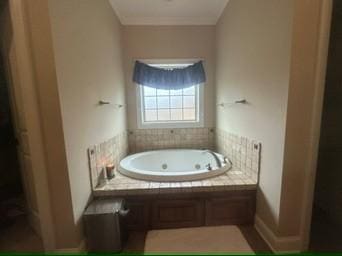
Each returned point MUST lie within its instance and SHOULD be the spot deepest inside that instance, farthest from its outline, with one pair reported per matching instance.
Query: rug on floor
(201, 239)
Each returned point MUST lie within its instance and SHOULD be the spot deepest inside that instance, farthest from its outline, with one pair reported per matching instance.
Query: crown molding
(167, 21)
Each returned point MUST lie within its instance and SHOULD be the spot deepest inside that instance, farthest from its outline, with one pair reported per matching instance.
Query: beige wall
(170, 42)
(253, 62)
(49, 120)
(87, 46)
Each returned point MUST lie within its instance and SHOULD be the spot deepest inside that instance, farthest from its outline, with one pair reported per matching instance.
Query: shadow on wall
(264, 209)
(10, 178)
(80, 226)
(254, 240)
(328, 190)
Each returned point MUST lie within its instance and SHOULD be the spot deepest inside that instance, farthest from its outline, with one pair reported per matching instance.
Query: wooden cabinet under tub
(177, 213)
(139, 214)
(191, 209)
(226, 211)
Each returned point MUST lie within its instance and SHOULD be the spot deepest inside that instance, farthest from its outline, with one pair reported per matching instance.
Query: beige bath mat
(202, 239)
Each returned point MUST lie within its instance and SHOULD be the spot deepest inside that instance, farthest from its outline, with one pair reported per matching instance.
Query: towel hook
(224, 104)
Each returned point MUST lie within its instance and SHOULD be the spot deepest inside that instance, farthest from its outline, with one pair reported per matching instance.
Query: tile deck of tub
(122, 185)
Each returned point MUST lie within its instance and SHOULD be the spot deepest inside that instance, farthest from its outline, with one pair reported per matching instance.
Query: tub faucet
(217, 159)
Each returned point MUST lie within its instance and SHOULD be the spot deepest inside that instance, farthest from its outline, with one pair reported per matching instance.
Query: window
(170, 108)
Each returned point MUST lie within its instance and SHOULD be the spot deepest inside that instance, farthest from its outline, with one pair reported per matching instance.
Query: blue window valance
(169, 79)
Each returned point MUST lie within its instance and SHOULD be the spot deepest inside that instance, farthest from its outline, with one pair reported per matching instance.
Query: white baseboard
(289, 244)
(80, 248)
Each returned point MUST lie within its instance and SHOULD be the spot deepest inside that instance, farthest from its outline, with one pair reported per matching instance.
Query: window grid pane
(170, 105)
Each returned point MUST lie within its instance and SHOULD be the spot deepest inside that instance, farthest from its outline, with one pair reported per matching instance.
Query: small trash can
(104, 228)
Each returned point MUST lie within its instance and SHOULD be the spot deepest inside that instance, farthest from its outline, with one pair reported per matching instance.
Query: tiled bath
(111, 151)
(244, 154)
(122, 186)
(151, 139)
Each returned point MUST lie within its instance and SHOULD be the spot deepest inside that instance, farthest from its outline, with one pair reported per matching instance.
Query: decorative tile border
(244, 153)
(109, 152)
(153, 139)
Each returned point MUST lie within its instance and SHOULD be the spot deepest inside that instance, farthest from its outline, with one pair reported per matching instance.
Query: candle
(110, 171)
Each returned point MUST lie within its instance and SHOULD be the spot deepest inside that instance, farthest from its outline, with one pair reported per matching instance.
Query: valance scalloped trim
(169, 79)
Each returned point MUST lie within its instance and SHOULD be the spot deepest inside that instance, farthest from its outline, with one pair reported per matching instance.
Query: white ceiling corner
(168, 12)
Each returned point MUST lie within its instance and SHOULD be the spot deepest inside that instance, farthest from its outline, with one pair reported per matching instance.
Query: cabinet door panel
(139, 215)
(235, 210)
(178, 213)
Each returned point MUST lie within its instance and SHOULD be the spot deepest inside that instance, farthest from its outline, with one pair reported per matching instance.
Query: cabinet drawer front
(178, 213)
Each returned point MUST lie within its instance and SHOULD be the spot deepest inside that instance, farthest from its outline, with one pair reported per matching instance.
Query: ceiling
(169, 12)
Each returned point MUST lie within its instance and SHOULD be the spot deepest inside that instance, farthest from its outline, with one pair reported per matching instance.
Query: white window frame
(171, 124)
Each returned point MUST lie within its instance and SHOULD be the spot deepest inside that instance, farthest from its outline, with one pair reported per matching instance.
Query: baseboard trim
(80, 248)
(34, 221)
(288, 244)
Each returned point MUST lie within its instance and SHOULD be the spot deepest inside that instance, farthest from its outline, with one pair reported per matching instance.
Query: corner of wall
(46, 86)
(278, 244)
(304, 103)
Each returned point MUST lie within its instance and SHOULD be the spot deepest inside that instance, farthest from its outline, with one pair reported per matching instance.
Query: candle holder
(110, 171)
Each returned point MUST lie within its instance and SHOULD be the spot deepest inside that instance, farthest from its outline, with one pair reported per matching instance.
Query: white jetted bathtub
(174, 165)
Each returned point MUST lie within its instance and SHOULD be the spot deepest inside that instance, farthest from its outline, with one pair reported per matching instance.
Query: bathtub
(172, 165)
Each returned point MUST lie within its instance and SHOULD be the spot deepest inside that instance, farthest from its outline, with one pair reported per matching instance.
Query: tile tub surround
(153, 139)
(122, 185)
(111, 151)
(244, 153)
